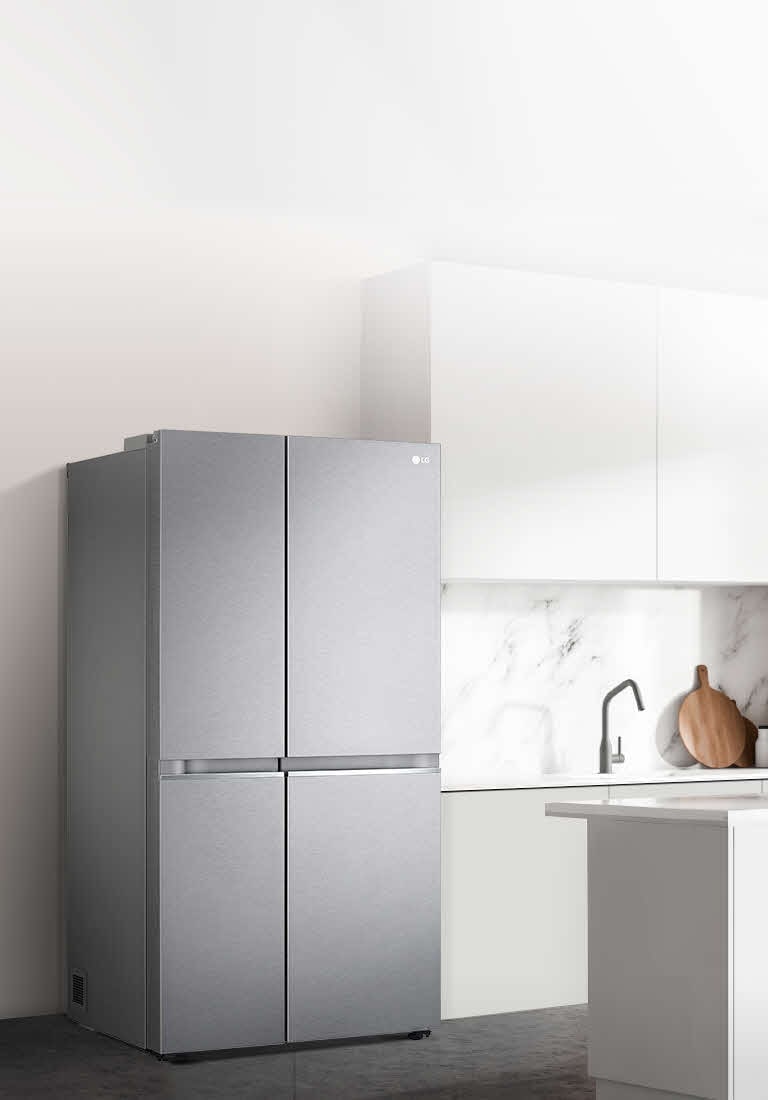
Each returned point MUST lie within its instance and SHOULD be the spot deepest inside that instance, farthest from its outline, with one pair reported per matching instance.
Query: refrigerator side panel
(222, 911)
(222, 595)
(364, 904)
(363, 597)
(105, 832)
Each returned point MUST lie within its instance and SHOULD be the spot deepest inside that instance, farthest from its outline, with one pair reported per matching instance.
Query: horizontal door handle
(253, 765)
(222, 775)
(366, 771)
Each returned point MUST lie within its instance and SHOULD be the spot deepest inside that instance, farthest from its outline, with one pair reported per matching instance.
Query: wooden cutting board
(747, 758)
(710, 725)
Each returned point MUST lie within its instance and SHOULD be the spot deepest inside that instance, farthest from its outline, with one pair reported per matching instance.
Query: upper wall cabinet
(713, 437)
(542, 391)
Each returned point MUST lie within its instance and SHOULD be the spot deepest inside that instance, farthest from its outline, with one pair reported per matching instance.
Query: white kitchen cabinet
(713, 437)
(541, 390)
(514, 902)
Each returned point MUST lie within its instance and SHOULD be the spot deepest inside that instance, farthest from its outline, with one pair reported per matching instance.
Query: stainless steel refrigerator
(253, 814)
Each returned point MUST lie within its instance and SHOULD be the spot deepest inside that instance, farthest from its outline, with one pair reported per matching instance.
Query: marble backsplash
(525, 668)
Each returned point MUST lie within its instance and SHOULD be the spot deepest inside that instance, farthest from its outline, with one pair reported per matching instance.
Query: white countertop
(722, 810)
(615, 779)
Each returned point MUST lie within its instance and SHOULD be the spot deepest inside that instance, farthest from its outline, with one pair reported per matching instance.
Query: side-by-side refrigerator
(253, 812)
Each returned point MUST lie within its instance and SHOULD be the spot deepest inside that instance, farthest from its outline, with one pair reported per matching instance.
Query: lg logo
(417, 460)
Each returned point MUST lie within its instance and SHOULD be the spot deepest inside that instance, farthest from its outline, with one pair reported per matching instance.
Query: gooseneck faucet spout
(607, 756)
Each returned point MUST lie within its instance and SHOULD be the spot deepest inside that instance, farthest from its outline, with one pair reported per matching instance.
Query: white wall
(190, 192)
(177, 321)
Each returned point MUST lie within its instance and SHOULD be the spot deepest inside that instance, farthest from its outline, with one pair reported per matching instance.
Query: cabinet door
(222, 911)
(514, 902)
(713, 445)
(222, 595)
(363, 598)
(544, 400)
(364, 903)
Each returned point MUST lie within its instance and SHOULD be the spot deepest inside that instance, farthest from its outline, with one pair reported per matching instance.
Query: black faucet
(607, 757)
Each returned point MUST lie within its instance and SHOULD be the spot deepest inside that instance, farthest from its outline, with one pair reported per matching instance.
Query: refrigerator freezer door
(364, 904)
(222, 911)
(222, 595)
(363, 597)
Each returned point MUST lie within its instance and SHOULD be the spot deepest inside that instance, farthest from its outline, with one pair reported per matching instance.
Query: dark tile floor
(541, 1055)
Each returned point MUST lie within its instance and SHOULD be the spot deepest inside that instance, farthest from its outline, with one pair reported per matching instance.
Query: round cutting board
(747, 758)
(710, 725)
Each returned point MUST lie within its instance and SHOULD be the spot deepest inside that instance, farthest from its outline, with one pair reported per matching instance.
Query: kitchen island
(678, 959)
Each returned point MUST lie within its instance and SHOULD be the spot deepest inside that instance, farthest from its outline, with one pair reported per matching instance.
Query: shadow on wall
(668, 741)
(32, 536)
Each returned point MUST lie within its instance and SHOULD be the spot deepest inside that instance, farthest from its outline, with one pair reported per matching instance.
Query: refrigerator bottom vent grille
(78, 988)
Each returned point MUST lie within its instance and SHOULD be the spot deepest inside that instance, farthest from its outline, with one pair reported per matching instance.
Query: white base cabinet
(515, 895)
(514, 903)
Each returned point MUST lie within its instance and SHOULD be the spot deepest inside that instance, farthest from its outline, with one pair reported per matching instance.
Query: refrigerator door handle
(221, 775)
(257, 765)
(365, 771)
(402, 762)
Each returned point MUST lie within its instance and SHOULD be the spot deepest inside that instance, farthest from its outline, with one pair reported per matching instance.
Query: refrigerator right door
(363, 597)
(363, 903)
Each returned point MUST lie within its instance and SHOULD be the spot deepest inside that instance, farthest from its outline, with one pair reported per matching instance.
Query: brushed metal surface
(105, 833)
(226, 773)
(369, 771)
(137, 442)
(222, 911)
(359, 763)
(222, 594)
(363, 597)
(228, 765)
(364, 904)
(153, 747)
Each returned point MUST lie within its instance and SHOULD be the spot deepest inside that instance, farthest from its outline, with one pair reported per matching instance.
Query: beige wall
(154, 320)
(189, 197)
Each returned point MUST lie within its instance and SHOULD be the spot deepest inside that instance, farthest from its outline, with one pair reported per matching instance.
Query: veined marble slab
(525, 668)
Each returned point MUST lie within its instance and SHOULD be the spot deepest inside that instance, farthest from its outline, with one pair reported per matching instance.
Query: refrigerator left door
(222, 911)
(221, 595)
